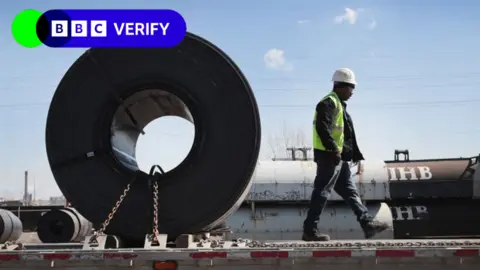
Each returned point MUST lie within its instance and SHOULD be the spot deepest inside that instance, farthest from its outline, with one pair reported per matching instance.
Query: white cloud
(303, 21)
(349, 16)
(275, 59)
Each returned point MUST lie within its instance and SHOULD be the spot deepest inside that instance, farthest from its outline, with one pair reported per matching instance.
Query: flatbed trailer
(245, 254)
(125, 90)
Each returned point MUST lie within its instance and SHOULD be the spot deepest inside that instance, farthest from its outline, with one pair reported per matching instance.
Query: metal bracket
(11, 247)
(100, 242)
(200, 240)
(239, 243)
(161, 242)
(185, 241)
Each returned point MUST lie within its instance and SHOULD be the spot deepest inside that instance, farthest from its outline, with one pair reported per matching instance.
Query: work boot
(373, 227)
(314, 236)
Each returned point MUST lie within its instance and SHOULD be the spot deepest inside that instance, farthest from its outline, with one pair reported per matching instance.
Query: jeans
(339, 178)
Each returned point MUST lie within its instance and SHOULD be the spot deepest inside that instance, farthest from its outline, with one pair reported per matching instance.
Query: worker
(334, 146)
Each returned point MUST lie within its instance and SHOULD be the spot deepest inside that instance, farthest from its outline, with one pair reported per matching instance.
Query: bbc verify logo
(79, 28)
(112, 28)
(99, 28)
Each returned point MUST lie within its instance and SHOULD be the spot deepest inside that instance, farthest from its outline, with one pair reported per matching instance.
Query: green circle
(24, 28)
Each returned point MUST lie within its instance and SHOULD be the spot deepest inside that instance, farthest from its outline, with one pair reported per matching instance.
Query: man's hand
(337, 158)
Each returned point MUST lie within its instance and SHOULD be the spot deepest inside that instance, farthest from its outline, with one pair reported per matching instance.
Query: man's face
(347, 92)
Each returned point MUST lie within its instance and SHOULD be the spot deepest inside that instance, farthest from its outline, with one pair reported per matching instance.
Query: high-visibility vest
(337, 125)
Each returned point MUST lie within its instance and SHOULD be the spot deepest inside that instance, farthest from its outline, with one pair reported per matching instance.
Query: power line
(395, 104)
(24, 105)
(293, 106)
(461, 75)
(364, 88)
(370, 78)
(369, 89)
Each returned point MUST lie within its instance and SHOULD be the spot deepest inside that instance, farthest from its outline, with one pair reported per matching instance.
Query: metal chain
(155, 212)
(113, 212)
(154, 177)
(353, 244)
(363, 244)
(117, 205)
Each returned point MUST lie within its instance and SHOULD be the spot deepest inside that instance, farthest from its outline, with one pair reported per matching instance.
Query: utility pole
(25, 191)
(34, 189)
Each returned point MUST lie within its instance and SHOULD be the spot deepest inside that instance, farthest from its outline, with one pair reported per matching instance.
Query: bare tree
(272, 143)
(287, 139)
(281, 146)
(300, 136)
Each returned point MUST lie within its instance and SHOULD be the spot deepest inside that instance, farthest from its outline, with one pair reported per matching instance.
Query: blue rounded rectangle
(115, 28)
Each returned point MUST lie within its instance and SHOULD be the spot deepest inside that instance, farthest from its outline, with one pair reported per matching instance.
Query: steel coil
(99, 111)
(62, 226)
(10, 226)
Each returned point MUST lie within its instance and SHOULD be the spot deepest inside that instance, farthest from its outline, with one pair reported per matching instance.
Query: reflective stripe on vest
(337, 125)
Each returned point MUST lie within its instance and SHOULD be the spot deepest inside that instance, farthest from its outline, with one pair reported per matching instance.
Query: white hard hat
(344, 75)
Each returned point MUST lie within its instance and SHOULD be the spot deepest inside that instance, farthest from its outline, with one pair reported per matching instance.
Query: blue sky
(417, 64)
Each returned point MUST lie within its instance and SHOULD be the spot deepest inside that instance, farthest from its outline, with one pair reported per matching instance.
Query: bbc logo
(79, 28)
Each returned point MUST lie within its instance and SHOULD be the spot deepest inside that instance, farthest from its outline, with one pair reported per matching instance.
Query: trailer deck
(245, 254)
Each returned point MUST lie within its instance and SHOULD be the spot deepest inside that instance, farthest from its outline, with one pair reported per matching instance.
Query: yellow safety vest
(337, 125)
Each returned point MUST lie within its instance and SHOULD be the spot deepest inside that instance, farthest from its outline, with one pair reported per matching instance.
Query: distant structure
(305, 151)
(57, 200)
(293, 154)
(405, 153)
(17, 203)
(27, 197)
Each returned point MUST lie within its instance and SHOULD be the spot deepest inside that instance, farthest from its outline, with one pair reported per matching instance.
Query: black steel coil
(102, 105)
(62, 226)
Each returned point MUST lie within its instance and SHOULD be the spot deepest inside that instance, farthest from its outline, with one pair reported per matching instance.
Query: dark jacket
(325, 110)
